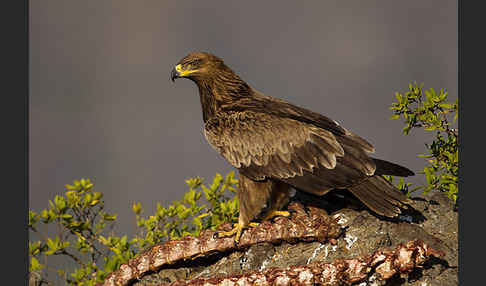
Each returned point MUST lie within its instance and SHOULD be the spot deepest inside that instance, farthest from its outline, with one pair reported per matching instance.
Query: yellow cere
(183, 72)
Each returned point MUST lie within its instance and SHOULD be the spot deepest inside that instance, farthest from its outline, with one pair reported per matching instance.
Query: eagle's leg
(252, 197)
(279, 197)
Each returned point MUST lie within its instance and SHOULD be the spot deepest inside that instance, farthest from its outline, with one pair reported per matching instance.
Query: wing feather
(263, 146)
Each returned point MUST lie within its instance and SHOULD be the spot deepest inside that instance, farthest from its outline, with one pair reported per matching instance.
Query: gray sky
(102, 105)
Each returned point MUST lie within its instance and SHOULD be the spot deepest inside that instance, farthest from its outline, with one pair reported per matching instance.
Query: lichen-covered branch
(312, 224)
(382, 265)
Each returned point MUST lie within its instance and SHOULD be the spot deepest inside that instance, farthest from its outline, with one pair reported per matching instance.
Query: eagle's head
(198, 66)
(218, 85)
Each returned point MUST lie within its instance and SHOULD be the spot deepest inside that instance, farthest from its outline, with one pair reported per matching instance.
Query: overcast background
(102, 105)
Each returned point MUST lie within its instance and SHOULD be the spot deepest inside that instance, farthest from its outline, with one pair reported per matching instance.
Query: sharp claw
(253, 224)
(237, 229)
(284, 213)
(221, 234)
(277, 213)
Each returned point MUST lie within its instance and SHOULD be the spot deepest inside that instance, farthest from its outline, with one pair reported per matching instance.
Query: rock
(434, 222)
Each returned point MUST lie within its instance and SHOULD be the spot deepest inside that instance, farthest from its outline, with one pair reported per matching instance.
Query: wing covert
(264, 145)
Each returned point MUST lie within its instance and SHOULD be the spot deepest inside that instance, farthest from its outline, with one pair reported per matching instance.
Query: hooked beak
(174, 74)
(178, 71)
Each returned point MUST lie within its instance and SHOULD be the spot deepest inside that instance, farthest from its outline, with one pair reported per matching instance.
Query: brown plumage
(276, 145)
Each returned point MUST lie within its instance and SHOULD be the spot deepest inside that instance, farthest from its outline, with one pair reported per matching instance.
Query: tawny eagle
(276, 145)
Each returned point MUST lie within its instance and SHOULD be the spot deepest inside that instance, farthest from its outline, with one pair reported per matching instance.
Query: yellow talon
(228, 233)
(273, 214)
(238, 229)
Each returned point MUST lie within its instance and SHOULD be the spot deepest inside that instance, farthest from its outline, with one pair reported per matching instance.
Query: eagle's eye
(195, 63)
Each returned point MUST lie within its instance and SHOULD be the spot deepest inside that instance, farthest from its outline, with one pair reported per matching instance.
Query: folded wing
(308, 157)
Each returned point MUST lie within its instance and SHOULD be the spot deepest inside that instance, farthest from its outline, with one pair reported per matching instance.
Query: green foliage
(430, 111)
(80, 219)
(84, 229)
(402, 186)
(190, 215)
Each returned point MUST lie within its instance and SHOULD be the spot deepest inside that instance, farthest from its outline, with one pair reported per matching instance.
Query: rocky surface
(311, 224)
(379, 266)
(433, 222)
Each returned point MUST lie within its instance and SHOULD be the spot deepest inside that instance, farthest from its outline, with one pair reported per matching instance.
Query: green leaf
(60, 203)
(52, 246)
(446, 105)
(406, 129)
(399, 97)
(35, 247)
(35, 265)
(69, 187)
(109, 217)
(66, 216)
(33, 218)
(137, 207)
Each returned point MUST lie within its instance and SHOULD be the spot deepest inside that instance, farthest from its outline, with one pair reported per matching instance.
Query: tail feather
(387, 168)
(380, 196)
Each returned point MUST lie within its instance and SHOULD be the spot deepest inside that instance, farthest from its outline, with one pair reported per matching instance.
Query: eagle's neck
(223, 88)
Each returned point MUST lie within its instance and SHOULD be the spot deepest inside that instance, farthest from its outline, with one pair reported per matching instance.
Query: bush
(84, 229)
(430, 111)
(190, 216)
